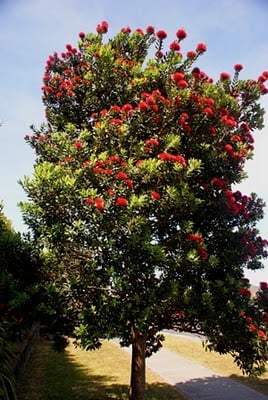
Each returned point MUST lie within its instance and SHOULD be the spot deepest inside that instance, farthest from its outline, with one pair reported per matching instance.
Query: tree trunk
(137, 380)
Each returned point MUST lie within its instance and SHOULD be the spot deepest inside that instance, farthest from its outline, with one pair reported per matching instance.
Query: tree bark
(137, 380)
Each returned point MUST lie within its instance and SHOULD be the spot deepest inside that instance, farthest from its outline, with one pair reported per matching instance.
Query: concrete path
(195, 381)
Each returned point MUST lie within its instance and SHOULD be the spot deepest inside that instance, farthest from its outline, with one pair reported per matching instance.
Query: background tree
(19, 298)
(134, 190)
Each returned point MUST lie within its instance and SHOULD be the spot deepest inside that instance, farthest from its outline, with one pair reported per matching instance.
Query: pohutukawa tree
(134, 188)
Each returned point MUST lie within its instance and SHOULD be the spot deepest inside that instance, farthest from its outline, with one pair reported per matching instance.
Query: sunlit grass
(223, 364)
(82, 375)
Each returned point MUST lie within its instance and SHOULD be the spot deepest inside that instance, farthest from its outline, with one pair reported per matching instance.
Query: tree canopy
(134, 190)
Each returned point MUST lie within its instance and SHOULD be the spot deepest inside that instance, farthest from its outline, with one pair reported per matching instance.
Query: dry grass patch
(81, 375)
(223, 364)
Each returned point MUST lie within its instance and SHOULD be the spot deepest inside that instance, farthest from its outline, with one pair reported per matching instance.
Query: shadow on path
(218, 388)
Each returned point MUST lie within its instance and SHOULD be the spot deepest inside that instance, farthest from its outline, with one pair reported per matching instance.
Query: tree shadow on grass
(64, 378)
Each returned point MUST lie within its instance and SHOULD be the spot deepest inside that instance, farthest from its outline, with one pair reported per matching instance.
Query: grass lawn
(223, 364)
(80, 375)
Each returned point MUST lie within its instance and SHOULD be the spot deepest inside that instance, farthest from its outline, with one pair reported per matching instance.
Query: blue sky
(235, 31)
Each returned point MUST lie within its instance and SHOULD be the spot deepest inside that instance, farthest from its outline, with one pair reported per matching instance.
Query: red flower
(159, 54)
(99, 204)
(126, 108)
(238, 67)
(252, 328)
(261, 335)
(116, 121)
(220, 183)
(152, 142)
(142, 105)
(165, 156)
(129, 183)
(175, 46)
(225, 76)
(263, 285)
(69, 159)
(121, 201)
(140, 31)
(111, 192)
(191, 54)
(249, 320)
(201, 47)
(115, 108)
(78, 145)
(161, 34)
(150, 100)
(156, 195)
(262, 78)
(180, 159)
(69, 47)
(150, 29)
(202, 252)
(107, 171)
(139, 163)
(208, 111)
(122, 175)
(229, 149)
(113, 159)
(127, 29)
(177, 76)
(99, 163)
(102, 27)
(82, 35)
(245, 292)
(181, 34)
(89, 200)
(183, 84)
(196, 238)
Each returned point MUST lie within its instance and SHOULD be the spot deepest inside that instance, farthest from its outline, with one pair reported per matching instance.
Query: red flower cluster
(219, 183)
(126, 30)
(202, 252)
(121, 201)
(165, 156)
(78, 145)
(122, 175)
(201, 48)
(98, 202)
(238, 67)
(224, 76)
(174, 46)
(261, 335)
(126, 108)
(152, 142)
(195, 238)
(161, 34)
(102, 27)
(181, 34)
(156, 195)
(245, 292)
(150, 29)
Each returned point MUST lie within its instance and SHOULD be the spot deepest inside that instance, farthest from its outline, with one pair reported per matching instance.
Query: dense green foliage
(20, 296)
(134, 191)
